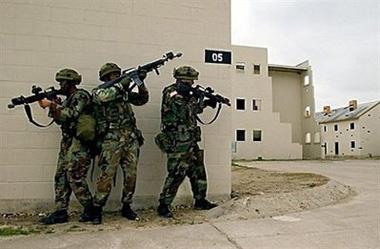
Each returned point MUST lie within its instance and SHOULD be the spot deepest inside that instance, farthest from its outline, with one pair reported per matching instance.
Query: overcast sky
(340, 38)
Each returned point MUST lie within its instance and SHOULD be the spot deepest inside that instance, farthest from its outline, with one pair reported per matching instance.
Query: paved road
(354, 224)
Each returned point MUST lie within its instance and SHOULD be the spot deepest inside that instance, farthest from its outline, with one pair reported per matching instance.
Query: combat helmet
(108, 68)
(68, 74)
(185, 73)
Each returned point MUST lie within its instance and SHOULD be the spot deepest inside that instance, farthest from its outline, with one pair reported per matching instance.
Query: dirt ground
(255, 194)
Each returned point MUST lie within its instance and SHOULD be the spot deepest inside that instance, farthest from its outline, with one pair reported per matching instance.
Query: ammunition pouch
(86, 128)
(164, 142)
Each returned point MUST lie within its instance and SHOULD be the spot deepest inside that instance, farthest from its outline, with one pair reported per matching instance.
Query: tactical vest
(68, 128)
(116, 114)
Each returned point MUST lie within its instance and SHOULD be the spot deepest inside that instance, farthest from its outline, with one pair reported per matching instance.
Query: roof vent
(353, 104)
(326, 109)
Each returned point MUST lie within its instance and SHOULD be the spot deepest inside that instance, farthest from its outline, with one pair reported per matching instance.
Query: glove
(210, 102)
(43, 103)
(142, 74)
(123, 85)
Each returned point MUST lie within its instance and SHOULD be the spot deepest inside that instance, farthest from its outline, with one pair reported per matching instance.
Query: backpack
(86, 123)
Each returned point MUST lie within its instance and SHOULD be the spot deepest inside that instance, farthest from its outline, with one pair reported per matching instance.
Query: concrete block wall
(39, 37)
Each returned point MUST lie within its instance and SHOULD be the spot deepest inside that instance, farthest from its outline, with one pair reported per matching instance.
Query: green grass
(11, 231)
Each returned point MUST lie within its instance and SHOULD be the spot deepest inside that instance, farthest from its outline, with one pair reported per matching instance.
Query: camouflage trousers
(120, 148)
(71, 173)
(180, 165)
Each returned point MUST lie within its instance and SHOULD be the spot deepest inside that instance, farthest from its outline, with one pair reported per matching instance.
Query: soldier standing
(184, 158)
(73, 158)
(121, 140)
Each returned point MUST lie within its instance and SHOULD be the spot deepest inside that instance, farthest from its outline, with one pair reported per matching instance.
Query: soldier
(121, 139)
(179, 125)
(73, 158)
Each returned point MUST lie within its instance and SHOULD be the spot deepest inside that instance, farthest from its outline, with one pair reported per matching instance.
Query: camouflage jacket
(178, 112)
(68, 113)
(113, 107)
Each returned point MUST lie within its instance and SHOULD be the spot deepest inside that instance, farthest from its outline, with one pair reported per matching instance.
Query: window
(317, 138)
(256, 104)
(306, 80)
(308, 138)
(352, 126)
(307, 112)
(352, 144)
(240, 66)
(257, 135)
(240, 135)
(256, 69)
(325, 128)
(240, 104)
(335, 127)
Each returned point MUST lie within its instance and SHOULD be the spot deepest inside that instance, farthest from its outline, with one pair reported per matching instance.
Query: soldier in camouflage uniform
(179, 127)
(121, 140)
(73, 158)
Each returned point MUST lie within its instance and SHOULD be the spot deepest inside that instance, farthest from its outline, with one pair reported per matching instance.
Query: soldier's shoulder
(82, 94)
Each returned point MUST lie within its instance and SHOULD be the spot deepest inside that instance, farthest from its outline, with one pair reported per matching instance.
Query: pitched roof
(344, 113)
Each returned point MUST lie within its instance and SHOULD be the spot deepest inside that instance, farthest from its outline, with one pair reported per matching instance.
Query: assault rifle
(133, 73)
(49, 93)
(38, 94)
(199, 92)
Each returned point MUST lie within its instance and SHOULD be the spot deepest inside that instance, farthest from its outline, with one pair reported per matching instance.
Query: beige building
(351, 131)
(273, 108)
(39, 37)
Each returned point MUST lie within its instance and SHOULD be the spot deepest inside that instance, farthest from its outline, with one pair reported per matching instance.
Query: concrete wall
(277, 141)
(39, 37)
(291, 97)
(369, 125)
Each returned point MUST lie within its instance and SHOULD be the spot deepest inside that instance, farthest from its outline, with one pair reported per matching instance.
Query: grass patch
(12, 231)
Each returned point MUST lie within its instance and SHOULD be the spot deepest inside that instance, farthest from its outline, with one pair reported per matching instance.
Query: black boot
(88, 214)
(97, 215)
(163, 210)
(128, 213)
(59, 216)
(204, 204)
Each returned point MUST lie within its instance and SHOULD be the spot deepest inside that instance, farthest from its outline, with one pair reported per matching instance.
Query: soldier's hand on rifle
(123, 84)
(142, 74)
(57, 100)
(44, 103)
(210, 102)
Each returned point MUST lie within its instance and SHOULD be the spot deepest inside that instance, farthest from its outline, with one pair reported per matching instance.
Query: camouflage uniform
(121, 139)
(73, 158)
(178, 117)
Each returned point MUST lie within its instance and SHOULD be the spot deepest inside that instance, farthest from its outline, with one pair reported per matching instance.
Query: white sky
(340, 38)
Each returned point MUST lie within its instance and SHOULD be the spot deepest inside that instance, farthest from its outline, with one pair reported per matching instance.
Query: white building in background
(351, 131)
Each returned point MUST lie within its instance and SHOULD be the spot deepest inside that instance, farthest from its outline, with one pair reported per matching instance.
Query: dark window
(256, 104)
(335, 127)
(257, 135)
(256, 69)
(352, 144)
(352, 126)
(240, 104)
(325, 128)
(240, 135)
(240, 66)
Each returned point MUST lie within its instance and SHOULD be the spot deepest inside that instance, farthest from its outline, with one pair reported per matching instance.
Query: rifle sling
(28, 112)
(216, 116)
